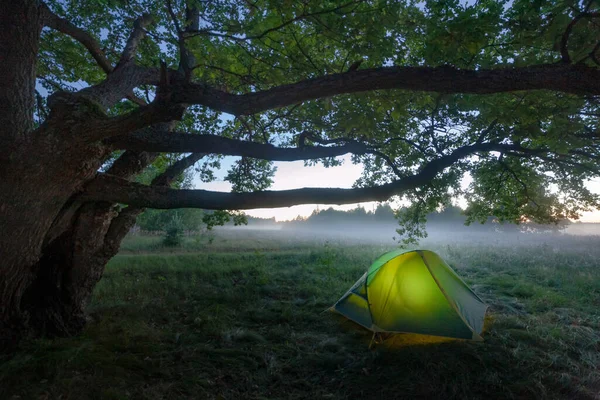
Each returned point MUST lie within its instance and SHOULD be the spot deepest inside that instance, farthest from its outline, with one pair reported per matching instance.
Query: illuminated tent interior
(414, 292)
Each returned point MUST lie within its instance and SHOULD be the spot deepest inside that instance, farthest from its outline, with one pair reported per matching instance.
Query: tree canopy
(421, 93)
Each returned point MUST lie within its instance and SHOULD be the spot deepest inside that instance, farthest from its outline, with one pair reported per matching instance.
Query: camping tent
(414, 292)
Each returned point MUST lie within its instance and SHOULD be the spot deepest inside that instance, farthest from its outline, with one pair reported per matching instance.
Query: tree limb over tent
(113, 189)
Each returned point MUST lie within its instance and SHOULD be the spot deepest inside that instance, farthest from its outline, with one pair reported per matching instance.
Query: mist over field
(353, 233)
(240, 310)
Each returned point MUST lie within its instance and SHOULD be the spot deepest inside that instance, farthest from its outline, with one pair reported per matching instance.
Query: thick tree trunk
(83, 238)
(47, 273)
(53, 249)
(69, 268)
(21, 230)
(19, 36)
(44, 289)
(36, 185)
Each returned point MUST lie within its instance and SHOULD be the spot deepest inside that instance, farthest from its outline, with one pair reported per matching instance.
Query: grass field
(243, 317)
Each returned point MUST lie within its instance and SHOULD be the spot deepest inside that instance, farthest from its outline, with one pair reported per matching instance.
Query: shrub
(173, 232)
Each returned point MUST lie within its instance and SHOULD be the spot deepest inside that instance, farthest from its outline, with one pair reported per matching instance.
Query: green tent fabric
(414, 292)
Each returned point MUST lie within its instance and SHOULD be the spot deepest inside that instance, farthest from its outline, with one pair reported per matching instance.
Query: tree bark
(57, 246)
(40, 169)
(21, 24)
(66, 273)
(52, 250)
(36, 183)
(19, 37)
(73, 262)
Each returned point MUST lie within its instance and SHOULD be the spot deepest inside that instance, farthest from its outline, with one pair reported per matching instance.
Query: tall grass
(243, 318)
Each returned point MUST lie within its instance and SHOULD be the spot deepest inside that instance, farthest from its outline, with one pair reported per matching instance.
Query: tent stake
(372, 340)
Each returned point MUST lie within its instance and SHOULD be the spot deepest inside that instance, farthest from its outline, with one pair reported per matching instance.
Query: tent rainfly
(414, 292)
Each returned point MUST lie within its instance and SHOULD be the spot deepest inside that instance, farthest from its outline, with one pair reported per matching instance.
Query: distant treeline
(451, 217)
(383, 214)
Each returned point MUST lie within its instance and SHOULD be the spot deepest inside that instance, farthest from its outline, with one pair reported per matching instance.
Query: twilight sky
(293, 175)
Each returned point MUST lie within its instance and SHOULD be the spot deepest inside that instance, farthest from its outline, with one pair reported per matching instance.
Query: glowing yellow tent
(414, 292)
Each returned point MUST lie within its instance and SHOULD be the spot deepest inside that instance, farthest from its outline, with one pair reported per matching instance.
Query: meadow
(242, 315)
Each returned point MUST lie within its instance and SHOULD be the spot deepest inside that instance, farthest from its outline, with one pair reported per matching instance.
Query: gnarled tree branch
(109, 188)
(135, 38)
(161, 141)
(567, 78)
(143, 117)
(161, 110)
(118, 85)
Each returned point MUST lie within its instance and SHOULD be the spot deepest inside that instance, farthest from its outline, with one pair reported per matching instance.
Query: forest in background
(450, 218)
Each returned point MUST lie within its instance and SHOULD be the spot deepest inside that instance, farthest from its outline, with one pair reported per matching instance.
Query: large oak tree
(104, 104)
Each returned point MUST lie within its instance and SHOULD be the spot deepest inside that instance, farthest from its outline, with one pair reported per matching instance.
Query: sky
(293, 175)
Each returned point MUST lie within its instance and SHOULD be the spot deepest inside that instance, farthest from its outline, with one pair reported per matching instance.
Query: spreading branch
(131, 162)
(578, 79)
(173, 16)
(161, 110)
(142, 117)
(117, 85)
(186, 58)
(120, 84)
(418, 147)
(135, 38)
(110, 188)
(567, 78)
(486, 131)
(161, 141)
(388, 161)
(133, 98)
(172, 172)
